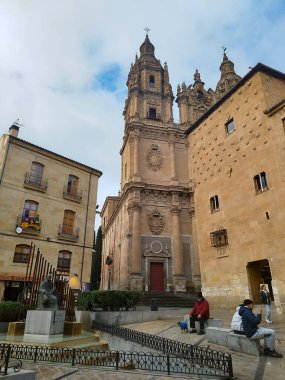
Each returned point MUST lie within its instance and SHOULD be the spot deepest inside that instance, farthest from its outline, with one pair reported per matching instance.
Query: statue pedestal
(42, 325)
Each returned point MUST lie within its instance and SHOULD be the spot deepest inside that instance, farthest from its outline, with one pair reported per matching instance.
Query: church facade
(184, 219)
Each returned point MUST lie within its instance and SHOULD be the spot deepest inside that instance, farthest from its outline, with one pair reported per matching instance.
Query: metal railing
(157, 362)
(29, 222)
(6, 364)
(210, 362)
(35, 182)
(71, 193)
(68, 233)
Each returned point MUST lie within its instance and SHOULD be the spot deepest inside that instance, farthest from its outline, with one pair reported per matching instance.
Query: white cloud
(51, 51)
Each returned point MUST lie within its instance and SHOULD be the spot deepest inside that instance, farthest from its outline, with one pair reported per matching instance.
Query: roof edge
(17, 139)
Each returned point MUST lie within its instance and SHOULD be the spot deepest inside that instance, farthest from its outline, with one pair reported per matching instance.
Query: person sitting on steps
(250, 324)
(199, 313)
(236, 323)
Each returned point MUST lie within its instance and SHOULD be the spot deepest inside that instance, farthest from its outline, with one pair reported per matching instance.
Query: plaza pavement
(245, 367)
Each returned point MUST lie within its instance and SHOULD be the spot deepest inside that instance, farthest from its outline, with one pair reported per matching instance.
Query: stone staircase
(167, 299)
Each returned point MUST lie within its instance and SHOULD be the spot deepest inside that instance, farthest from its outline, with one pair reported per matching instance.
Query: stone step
(166, 299)
(77, 341)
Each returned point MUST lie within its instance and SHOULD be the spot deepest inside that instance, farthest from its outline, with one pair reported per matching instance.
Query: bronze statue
(47, 299)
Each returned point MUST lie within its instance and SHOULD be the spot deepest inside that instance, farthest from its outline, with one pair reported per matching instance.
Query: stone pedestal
(72, 328)
(16, 328)
(41, 325)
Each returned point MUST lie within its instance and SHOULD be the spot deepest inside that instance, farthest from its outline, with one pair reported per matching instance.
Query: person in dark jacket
(265, 299)
(200, 312)
(250, 324)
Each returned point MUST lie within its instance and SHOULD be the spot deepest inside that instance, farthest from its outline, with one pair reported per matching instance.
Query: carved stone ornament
(154, 157)
(155, 222)
(156, 249)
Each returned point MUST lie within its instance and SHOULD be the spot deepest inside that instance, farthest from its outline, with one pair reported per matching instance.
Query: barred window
(219, 238)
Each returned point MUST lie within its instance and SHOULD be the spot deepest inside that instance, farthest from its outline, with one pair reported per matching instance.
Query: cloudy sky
(64, 63)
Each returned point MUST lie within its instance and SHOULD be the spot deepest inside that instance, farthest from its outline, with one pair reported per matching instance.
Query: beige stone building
(46, 199)
(201, 201)
(237, 156)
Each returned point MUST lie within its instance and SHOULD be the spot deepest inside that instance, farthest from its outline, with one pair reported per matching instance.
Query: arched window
(63, 261)
(37, 172)
(68, 222)
(30, 208)
(151, 80)
(152, 113)
(72, 184)
(21, 254)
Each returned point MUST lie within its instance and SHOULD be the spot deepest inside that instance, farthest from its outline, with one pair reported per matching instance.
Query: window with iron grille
(260, 182)
(219, 238)
(214, 203)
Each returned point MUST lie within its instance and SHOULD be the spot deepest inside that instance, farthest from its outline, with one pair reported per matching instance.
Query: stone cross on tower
(147, 30)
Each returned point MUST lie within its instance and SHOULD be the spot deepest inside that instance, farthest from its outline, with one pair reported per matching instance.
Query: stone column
(136, 281)
(172, 160)
(136, 157)
(179, 281)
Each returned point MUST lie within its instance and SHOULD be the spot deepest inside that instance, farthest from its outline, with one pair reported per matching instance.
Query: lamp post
(75, 286)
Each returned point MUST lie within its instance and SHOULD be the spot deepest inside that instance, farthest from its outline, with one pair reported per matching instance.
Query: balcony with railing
(29, 222)
(153, 116)
(72, 194)
(68, 232)
(35, 182)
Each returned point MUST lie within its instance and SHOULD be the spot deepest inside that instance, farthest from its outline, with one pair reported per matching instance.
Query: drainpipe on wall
(85, 229)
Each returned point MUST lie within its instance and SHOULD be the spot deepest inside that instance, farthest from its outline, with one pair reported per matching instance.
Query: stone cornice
(45, 152)
(150, 189)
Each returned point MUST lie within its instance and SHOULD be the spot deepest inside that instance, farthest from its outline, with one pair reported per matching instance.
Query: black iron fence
(169, 364)
(200, 360)
(8, 365)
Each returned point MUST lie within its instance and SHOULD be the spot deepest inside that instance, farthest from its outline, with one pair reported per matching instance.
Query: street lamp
(74, 282)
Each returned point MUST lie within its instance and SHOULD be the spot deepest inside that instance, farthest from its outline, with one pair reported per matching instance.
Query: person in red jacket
(199, 313)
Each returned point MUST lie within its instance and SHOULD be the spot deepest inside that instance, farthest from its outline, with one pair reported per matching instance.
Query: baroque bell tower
(149, 231)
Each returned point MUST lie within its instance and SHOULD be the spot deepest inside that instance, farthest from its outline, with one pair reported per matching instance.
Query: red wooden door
(156, 277)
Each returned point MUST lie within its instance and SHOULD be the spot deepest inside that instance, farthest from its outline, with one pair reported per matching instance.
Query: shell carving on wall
(154, 158)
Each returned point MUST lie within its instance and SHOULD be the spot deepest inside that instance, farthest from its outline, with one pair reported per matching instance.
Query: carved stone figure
(47, 299)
